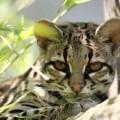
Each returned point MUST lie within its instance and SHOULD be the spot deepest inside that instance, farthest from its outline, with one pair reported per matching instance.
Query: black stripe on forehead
(90, 54)
(65, 53)
(90, 51)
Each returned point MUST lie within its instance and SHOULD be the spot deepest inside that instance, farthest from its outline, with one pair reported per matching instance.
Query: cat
(74, 71)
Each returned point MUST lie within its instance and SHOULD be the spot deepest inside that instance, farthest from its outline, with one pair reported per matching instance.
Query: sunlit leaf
(71, 3)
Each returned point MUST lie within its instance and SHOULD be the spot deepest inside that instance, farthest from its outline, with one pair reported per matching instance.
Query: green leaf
(71, 3)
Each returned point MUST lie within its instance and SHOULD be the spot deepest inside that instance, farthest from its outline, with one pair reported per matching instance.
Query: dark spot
(88, 87)
(42, 118)
(16, 111)
(109, 40)
(50, 81)
(39, 85)
(32, 94)
(90, 54)
(51, 111)
(28, 72)
(67, 77)
(101, 96)
(15, 118)
(36, 100)
(66, 106)
(65, 36)
(107, 83)
(52, 104)
(93, 85)
(86, 76)
(52, 118)
(35, 74)
(110, 70)
(92, 88)
(70, 35)
(65, 53)
(103, 81)
(97, 54)
(35, 119)
(24, 114)
(88, 36)
(28, 105)
(55, 94)
(36, 111)
(59, 54)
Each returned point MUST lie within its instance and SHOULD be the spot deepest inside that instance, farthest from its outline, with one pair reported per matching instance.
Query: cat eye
(60, 66)
(96, 66)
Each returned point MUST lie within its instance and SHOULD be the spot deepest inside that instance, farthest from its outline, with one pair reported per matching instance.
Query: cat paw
(73, 108)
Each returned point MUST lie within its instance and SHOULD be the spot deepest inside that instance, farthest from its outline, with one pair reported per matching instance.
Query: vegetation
(17, 43)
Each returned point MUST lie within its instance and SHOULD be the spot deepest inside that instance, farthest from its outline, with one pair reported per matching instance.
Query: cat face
(76, 60)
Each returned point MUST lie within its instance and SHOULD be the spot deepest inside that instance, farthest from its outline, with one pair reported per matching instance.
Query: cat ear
(109, 33)
(46, 31)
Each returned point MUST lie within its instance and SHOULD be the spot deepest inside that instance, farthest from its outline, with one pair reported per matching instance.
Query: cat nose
(77, 87)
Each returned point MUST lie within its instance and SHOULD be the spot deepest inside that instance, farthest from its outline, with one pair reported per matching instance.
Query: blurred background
(88, 11)
(18, 49)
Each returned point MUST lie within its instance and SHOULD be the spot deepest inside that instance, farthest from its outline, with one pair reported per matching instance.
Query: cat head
(77, 57)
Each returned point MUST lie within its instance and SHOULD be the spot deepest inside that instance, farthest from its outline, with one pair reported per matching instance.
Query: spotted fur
(79, 65)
